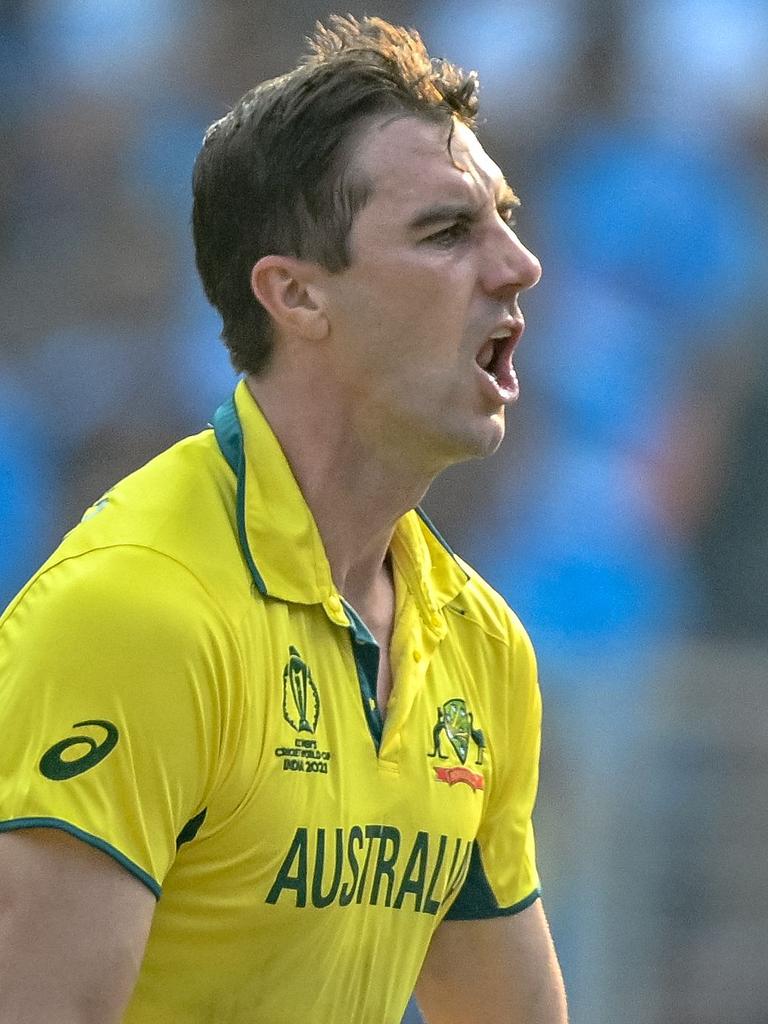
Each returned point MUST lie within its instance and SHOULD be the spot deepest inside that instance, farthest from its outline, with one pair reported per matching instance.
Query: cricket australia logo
(455, 723)
(301, 702)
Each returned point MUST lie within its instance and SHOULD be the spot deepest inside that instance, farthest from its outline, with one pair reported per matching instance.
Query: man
(219, 697)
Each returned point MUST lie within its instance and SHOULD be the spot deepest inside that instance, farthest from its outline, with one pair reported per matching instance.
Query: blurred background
(625, 518)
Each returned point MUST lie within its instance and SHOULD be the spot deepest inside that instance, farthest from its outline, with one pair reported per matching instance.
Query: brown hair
(275, 174)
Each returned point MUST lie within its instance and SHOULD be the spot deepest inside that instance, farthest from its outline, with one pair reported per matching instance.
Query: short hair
(275, 175)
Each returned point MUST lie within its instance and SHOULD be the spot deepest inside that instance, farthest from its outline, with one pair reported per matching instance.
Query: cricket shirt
(183, 687)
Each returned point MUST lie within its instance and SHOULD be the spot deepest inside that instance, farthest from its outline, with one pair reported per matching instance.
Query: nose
(510, 266)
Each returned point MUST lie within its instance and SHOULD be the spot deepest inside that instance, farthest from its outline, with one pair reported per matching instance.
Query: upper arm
(111, 673)
(499, 970)
(73, 928)
(112, 670)
(502, 878)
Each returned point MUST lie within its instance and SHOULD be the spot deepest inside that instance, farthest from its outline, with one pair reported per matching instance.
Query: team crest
(301, 701)
(455, 724)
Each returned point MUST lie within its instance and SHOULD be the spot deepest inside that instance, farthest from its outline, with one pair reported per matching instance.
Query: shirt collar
(278, 535)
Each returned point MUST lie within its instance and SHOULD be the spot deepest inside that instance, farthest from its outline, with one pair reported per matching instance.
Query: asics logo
(55, 766)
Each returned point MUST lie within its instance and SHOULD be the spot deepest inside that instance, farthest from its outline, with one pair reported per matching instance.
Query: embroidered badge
(301, 710)
(455, 723)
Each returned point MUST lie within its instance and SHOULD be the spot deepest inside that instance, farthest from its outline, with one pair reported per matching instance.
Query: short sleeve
(502, 878)
(113, 671)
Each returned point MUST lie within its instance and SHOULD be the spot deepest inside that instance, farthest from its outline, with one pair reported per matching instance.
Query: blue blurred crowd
(640, 132)
(630, 502)
(636, 136)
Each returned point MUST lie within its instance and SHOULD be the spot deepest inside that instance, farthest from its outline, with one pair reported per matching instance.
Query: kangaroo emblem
(455, 721)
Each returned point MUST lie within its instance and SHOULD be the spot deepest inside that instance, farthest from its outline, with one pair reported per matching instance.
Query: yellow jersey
(183, 687)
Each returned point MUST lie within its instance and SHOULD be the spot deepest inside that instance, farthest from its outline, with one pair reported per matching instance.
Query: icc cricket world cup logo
(301, 702)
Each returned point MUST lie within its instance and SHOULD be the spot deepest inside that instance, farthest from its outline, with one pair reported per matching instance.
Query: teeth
(489, 351)
(485, 357)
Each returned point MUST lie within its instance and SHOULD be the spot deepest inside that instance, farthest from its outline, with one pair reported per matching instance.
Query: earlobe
(287, 290)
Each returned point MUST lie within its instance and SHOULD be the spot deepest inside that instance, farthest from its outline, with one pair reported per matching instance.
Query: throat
(384, 681)
(378, 614)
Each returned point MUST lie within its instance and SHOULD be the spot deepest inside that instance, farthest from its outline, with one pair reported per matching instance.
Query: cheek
(381, 315)
(397, 314)
(431, 306)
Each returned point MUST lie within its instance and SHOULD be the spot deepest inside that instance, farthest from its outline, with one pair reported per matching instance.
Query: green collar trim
(436, 533)
(229, 435)
(366, 653)
(436, 573)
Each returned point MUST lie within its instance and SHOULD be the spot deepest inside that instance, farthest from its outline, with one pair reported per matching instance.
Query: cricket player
(269, 747)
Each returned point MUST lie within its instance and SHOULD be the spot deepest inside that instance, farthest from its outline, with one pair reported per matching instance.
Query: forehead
(408, 162)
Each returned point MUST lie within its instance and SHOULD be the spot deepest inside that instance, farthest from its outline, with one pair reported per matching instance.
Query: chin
(491, 433)
(490, 445)
(480, 442)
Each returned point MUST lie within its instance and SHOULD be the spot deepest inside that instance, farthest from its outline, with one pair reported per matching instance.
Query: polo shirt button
(417, 656)
(334, 604)
(436, 622)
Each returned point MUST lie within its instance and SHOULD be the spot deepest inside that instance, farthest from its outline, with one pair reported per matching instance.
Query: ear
(289, 289)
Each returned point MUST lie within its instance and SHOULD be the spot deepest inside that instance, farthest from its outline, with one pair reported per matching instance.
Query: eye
(507, 213)
(450, 235)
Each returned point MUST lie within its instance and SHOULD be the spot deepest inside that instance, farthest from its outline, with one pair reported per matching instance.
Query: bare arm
(498, 971)
(73, 927)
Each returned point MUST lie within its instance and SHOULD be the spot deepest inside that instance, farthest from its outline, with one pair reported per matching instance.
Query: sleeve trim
(478, 914)
(476, 899)
(19, 823)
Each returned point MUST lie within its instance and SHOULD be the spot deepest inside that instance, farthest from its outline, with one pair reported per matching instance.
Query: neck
(355, 488)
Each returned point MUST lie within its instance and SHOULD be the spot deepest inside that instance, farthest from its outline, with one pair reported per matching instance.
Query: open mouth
(491, 355)
(495, 357)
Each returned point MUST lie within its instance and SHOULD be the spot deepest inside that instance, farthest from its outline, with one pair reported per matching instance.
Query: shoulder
(181, 503)
(497, 651)
(162, 542)
(155, 561)
(488, 612)
(130, 633)
(127, 600)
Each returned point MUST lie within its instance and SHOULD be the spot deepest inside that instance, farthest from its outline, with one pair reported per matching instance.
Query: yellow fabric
(328, 850)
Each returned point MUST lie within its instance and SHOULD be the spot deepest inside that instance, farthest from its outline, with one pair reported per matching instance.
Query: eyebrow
(506, 197)
(439, 213)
